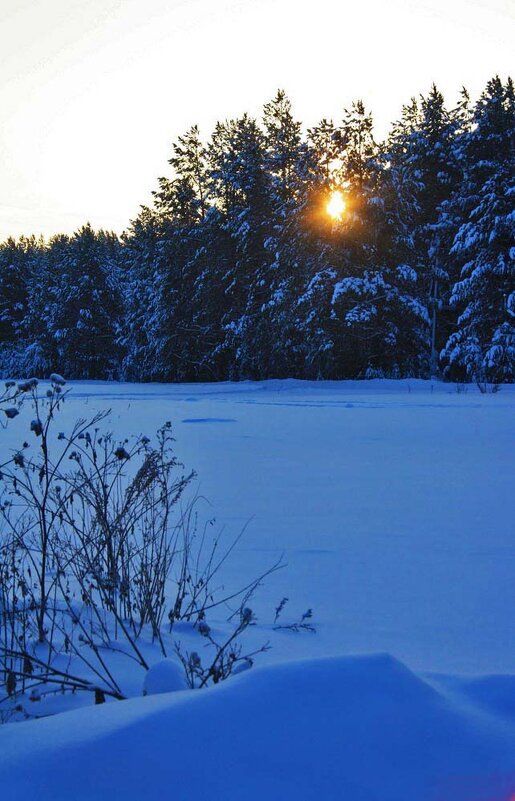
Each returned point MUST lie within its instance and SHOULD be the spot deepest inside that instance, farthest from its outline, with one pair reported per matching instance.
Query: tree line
(237, 271)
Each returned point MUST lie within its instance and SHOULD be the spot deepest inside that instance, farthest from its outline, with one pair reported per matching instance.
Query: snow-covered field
(393, 503)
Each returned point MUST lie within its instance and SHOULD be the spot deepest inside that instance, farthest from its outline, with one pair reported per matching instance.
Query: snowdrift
(360, 728)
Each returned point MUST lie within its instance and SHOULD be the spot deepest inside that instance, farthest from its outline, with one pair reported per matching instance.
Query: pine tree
(242, 177)
(184, 198)
(83, 313)
(359, 146)
(22, 268)
(483, 347)
(139, 334)
(284, 150)
(422, 150)
(15, 269)
(41, 356)
(377, 302)
(376, 318)
(239, 272)
(325, 154)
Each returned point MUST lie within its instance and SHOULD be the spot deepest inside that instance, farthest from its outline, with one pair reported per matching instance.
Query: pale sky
(93, 92)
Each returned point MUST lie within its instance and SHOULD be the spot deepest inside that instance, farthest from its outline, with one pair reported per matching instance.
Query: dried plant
(98, 551)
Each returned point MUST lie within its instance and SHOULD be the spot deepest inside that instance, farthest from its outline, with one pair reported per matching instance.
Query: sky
(94, 92)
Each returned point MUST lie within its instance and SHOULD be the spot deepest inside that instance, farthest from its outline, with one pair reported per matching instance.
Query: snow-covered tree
(483, 347)
(184, 197)
(422, 149)
(284, 149)
(238, 271)
(16, 264)
(83, 308)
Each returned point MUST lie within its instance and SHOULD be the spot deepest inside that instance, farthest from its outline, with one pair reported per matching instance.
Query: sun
(336, 205)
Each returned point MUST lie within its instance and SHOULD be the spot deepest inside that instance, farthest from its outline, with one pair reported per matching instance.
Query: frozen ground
(393, 504)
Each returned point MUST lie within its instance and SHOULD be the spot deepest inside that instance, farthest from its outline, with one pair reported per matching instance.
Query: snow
(392, 502)
(165, 676)
(364, 728)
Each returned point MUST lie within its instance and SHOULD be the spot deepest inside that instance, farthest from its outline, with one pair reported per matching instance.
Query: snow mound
(360, 728)
(494, 693)
(166, 676)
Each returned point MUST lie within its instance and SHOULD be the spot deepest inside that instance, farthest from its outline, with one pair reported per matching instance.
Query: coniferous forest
(238, 271)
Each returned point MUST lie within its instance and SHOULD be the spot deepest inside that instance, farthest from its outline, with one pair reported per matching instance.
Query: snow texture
(166, 676)
(393, 505)
(364, 728)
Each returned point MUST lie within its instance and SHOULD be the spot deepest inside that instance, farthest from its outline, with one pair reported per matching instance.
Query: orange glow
(336, 205)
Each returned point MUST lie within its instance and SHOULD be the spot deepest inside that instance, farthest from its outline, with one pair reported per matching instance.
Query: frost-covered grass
(392, 503)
